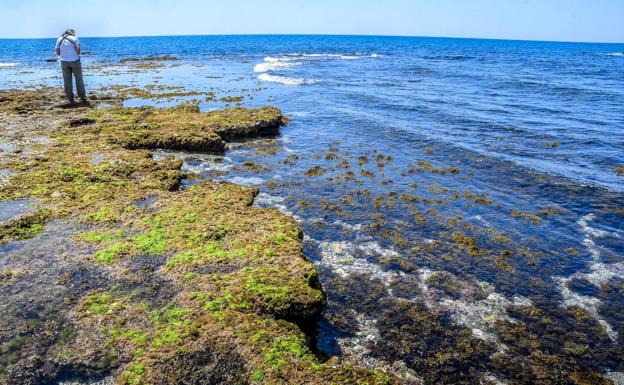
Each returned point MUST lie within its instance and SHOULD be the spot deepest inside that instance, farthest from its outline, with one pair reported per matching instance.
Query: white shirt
(69, 47)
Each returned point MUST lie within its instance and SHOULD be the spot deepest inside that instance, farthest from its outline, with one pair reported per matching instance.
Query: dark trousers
(73, 68)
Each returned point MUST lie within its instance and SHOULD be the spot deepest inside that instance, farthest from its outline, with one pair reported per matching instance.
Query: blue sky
(564, 20)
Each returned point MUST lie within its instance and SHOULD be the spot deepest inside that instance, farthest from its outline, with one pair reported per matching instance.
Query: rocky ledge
(112, 274)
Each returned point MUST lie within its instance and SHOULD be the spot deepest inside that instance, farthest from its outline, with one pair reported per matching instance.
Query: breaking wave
(284, 80)
(275, 64)
(290, 61)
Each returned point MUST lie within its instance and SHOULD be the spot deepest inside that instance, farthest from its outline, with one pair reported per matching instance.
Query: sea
(463, 199)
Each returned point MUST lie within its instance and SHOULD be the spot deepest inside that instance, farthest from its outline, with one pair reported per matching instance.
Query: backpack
(66, 37)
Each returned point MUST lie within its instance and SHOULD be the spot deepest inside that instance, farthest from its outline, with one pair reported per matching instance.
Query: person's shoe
(84, 102)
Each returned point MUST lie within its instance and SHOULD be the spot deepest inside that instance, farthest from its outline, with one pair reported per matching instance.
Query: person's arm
(57, 50)
(78, 48)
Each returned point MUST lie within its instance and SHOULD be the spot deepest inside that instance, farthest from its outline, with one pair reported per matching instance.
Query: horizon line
(325, 34)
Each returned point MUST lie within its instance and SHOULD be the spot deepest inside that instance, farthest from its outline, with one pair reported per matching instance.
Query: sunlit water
(468, 177)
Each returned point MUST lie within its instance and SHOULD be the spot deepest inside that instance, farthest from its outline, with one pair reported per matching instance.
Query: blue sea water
(414, 143)
(510, 100)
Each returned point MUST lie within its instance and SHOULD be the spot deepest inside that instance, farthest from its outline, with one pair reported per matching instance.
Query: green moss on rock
(233, 279)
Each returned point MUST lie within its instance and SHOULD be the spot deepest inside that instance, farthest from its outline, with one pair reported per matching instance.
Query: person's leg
(77, 70)
(67, 81)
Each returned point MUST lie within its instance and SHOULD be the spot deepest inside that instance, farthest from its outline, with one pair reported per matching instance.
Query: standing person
(68, 48)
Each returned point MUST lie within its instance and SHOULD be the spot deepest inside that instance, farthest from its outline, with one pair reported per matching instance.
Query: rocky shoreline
(113, 274)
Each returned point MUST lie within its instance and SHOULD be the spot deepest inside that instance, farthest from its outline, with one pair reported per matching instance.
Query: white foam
(341, 258)
(272, 201)
(268, 199)
(328, 55)
(600, 274)
(616, 377)
(284, 80)
(356, 347)
(9, 64)
(275, 64)
(480, 219)
(197, 163)
(348, 227)
(478, 316)
(570, 298)
(616, 54)
(494, 380)
(584, 223)
(199, 169)
(345, 56)
(252, 181)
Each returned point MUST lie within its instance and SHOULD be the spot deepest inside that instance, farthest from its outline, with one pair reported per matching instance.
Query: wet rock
(185, 128)
(23, 226)
(195, 286)
(82, 121)
(150, 58)
(214, 365)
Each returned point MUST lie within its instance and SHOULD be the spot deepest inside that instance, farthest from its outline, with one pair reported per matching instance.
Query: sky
(559, 20)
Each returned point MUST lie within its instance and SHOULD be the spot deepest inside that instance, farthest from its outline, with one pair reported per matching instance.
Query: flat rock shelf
(114, 274)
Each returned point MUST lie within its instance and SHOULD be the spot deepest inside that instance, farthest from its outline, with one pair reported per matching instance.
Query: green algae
(184, 127)
(237, 279)
(169, 93)
(24, 227)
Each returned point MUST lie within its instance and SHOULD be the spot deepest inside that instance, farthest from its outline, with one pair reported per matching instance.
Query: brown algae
(236, 279)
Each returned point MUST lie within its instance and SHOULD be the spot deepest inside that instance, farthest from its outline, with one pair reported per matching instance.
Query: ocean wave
(616, 54)
(9, 64)
(599, 275)
(289, 61)
(345, 56)
(449, 57)
(275, 64)
(285, 80)
(589, 304)
(319, 55)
